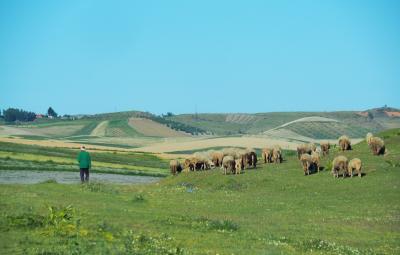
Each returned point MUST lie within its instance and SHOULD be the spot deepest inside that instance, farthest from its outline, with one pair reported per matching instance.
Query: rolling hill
(143, 130)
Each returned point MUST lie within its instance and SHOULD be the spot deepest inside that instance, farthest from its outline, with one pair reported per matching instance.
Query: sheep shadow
(315, 170)
(355, 175)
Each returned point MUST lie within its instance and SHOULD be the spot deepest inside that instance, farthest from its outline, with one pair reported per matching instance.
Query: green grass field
(28, 157)
(271, 210)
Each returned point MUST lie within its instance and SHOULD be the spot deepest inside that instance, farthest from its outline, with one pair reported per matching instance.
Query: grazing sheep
(216, 158)
(306, 163)
(230, 152)
(277, 154)
(228, 163)
(239, 165)
(354, 164)
(368, 138)
(315, 160)
(344, 143)
(251, 158)
(339, 163)
(203, 160)
(303, 148)
(267, 155)
(325, 146)
(190, 164)
(175, 166)
(377, 146)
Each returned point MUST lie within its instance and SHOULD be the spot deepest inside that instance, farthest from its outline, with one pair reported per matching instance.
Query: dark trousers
(84, 174)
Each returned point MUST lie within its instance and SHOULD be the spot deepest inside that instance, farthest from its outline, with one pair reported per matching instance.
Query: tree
(51, 112)
(13, 114)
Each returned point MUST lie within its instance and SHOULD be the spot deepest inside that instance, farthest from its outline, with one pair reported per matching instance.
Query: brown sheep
(325, 146)
(267, 155)
(175, 166)
(354, 164)
(368, 138)
(315, 160)
(344, 143)
(306, 163)
(228, 163)
(339, 163)
(216, 158)
(377, 146)
(190, 164)
(196, 162)
(277, 154)
(303, 148)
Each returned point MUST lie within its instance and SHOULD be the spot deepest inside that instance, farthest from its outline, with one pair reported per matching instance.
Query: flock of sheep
(235, 160)
(232, 160)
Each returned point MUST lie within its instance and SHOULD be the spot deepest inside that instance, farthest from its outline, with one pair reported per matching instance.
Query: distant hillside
(352, 123)
(139, 124)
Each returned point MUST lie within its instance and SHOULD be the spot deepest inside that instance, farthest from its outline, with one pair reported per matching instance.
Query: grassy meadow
(34, 157)
(274, 209)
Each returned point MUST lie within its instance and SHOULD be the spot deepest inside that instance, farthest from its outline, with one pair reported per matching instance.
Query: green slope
(271, 210)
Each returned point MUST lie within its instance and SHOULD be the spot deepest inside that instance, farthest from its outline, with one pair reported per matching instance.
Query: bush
(59, 215)
(138, 198)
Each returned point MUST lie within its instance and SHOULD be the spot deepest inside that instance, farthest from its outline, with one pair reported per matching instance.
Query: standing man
(85, 164)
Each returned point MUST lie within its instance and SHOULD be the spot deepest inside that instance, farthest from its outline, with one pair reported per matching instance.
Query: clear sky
(211, 56)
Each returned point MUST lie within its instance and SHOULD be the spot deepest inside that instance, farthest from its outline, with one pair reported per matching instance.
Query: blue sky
(210, 56)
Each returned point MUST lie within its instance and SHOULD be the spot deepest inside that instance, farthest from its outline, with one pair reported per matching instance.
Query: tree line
(14, 114)
(177, 125)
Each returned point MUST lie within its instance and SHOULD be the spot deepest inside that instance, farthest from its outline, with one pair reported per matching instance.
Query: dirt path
(100, 129)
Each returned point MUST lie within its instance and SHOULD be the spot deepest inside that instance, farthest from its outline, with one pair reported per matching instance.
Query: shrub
(138, 198)
(59, 215)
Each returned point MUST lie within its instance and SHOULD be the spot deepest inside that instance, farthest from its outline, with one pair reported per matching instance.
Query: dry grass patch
(151, 128)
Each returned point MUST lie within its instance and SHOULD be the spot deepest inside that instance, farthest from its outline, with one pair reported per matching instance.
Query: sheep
(315, 160)
(175, 166)
(277, 155)
(228, 163)
(339, 163)
(377, 146)
(196, 162)
(239, 165)
(303, 148)
(312, 146)
(344, 143)
(306, 162)
(190, 164)
(230, 152)
(216, 158)
(368, 138)
(203, 161)
(251, 158)
(354, 164)
(267, 155)
(325, 146)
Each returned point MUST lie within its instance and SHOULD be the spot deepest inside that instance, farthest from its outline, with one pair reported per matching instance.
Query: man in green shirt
(85, 163)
